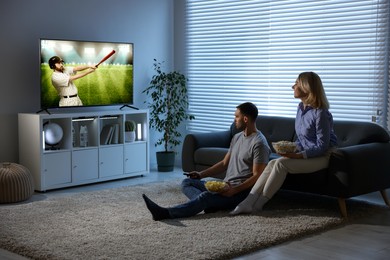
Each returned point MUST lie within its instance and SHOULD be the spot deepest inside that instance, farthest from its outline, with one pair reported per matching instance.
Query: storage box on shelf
(92, 147)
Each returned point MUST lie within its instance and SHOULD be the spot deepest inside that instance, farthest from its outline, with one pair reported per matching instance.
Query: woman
(315, 141)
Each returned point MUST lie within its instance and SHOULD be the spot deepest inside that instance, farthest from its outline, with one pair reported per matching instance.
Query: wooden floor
(367, 239)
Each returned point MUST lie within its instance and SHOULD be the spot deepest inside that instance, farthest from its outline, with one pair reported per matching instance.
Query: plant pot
(129, 136)
(165, 161)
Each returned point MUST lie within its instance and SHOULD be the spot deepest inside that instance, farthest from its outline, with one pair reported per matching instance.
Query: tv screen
(74, 73)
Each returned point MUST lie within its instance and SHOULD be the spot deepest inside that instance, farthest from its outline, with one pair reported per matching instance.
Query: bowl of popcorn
(284, 147)
(216, 186)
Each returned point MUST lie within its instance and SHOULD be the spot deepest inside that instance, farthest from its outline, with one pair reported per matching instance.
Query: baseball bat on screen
(106, 57)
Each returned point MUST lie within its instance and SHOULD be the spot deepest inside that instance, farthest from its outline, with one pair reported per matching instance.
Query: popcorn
(215, 186)
(284, 147)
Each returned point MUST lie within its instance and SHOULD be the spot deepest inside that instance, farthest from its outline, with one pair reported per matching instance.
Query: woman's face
(298, 91)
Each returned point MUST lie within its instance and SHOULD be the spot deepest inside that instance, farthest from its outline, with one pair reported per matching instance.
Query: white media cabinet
(67, 164)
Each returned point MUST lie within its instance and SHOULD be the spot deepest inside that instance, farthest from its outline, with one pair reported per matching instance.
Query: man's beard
(241, 126)
(60, 69)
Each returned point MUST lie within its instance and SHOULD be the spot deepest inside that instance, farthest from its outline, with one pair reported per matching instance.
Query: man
(62, 79)
(245, 161)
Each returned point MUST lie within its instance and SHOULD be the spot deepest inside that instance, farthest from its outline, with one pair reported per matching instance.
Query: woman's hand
(292, 155)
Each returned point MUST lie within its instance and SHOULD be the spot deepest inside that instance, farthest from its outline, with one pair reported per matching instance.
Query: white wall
(146, 23)
(179, 45)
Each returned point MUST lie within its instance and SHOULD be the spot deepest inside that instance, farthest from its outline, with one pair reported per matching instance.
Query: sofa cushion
(273, 128)
(276, 129)
(353, 133)
(209, 155)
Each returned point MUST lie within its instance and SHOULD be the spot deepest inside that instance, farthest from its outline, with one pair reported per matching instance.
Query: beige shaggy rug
(115, 224)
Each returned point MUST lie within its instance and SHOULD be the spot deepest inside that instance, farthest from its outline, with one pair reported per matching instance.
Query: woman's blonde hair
(311, 85)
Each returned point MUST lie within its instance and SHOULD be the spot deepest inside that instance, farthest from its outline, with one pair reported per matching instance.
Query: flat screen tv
(73, 73)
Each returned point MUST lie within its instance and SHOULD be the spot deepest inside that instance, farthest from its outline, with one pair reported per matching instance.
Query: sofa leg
(343, 207)
(385, 198)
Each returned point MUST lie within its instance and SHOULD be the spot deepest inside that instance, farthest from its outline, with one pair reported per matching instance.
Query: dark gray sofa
(360, 164)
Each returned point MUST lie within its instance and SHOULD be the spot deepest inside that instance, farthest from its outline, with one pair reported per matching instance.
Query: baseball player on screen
(62, 79)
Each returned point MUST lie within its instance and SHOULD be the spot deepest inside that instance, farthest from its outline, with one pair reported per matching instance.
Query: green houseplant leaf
(168, 105)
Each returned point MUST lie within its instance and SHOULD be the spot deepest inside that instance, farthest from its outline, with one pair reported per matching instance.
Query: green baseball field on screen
(109, 84)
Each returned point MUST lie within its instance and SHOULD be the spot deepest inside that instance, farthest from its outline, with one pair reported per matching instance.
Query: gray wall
(149, 24)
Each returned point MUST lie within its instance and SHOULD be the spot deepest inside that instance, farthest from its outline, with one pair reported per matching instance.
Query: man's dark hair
(249, 109)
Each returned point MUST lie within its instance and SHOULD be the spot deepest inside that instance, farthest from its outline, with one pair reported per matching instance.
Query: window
(253, 50)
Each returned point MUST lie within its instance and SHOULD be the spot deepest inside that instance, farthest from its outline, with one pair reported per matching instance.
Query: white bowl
(284, 147)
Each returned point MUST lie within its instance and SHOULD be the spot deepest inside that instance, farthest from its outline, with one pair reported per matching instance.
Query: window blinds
(253, 51)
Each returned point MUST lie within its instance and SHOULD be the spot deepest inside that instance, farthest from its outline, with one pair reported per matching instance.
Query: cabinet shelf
(83, 155)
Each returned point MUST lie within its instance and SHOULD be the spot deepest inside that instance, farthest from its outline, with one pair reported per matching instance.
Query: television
(110, 83)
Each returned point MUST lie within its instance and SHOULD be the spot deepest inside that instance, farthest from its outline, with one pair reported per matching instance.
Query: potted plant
(168, 106)
(129, 131)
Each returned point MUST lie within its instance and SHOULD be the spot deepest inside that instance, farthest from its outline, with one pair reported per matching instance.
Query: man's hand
(91, 69)
(86, 70)
(228, 190)
(193, 175)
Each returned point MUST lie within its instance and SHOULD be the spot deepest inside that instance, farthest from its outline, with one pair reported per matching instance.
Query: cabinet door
(110, 161)
(135, 157)
(56, 169)
(85, 165)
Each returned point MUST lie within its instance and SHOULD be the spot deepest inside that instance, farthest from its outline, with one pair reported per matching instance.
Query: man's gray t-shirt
(245, 151)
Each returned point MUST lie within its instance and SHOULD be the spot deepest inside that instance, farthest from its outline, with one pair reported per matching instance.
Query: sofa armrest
(359, 169)
(192, 142)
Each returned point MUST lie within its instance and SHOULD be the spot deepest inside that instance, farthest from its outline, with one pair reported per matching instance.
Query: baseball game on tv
(85, 73)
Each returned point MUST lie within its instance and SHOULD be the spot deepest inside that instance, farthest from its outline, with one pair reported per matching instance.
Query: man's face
(60, 66)
(239, 120)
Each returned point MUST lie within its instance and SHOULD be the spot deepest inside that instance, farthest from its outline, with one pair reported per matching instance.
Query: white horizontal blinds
(224, 59)
(388, 87)
(253, 51)
(340, 40)
(387, 112)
